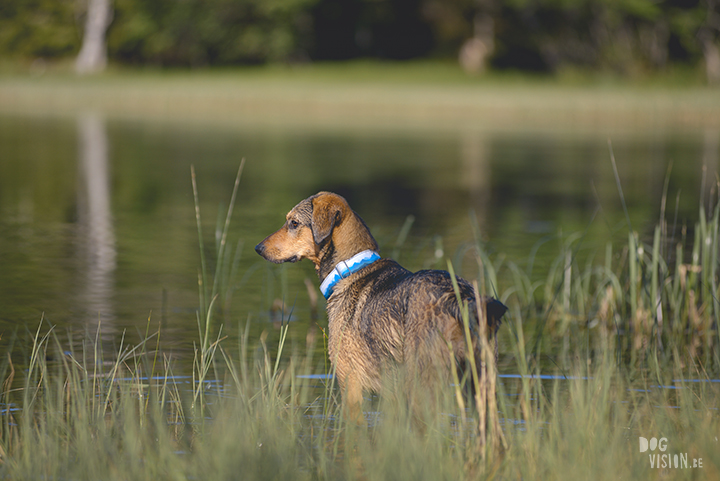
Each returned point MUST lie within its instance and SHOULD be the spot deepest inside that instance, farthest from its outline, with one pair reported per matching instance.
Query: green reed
(634, 300)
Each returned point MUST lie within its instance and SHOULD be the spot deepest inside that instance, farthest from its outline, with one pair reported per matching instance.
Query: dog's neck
(349, 237)
(346, 268)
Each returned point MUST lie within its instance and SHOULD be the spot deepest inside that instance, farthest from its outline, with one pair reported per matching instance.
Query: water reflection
(97, 238)
(475, 172)
(64, 216)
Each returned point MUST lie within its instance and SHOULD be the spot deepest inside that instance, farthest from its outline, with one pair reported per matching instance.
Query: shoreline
(273, 98)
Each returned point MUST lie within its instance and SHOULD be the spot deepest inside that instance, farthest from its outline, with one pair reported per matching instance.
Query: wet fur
(383, 315)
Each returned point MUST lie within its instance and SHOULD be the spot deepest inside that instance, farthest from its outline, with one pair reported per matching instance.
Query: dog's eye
(293, 224)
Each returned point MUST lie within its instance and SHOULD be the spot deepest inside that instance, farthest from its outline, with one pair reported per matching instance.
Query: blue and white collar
(344, 268)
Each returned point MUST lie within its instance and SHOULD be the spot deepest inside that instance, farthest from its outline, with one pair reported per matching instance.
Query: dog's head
(322, 228)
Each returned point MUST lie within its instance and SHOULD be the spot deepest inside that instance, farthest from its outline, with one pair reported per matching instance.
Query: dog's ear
(327, 213)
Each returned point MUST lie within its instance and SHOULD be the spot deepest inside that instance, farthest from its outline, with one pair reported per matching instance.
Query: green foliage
(38, 28)
(211, 32)
(626, 36)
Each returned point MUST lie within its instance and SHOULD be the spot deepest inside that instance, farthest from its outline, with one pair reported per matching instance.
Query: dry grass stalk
(486, 392)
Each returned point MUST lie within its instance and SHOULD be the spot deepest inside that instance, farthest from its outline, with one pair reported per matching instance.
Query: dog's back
(385, 313)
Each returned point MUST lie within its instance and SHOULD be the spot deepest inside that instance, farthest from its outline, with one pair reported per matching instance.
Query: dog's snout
(260, 248)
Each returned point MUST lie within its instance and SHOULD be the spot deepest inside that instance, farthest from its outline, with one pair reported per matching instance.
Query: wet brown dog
(379, 313)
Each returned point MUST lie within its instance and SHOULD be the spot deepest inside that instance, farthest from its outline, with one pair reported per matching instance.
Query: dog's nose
(260, 248)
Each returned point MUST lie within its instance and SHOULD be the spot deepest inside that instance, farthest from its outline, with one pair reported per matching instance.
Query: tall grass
(631, 336)
(632, 299)
(76, 420)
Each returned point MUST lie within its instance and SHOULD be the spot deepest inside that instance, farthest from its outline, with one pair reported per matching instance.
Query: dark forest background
(624, 36)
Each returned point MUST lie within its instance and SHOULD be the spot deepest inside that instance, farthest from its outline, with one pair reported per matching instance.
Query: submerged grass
(631, 339)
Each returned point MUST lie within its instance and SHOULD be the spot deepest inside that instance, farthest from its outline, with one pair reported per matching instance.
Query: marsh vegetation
(607, 349)
(113, 367)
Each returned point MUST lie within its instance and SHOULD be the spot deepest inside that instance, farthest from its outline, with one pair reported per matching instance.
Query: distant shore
(429, 95)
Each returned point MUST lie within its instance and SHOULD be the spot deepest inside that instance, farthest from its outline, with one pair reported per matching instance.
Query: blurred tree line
(538, 35)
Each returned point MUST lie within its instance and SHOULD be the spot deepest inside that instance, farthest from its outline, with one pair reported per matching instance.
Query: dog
(379, 313)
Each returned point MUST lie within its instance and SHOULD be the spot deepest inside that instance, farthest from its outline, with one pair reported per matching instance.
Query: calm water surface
(97, 224)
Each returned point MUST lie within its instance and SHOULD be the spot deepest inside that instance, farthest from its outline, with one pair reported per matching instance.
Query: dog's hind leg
(352, 399)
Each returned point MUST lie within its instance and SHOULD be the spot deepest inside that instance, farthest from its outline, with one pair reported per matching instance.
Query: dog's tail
(494, 311)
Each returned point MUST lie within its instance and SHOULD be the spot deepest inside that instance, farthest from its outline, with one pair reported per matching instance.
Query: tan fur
(383, 315)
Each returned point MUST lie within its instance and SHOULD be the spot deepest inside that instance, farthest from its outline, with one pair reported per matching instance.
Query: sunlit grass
(135, 418)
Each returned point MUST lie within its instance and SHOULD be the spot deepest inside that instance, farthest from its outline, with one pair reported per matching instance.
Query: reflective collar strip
(344, 268)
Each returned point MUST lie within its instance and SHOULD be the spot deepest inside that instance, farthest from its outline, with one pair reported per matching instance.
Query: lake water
(97, 220)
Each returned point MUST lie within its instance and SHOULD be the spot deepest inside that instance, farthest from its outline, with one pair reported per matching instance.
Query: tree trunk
(711, 52)
(475, 51)
(93, 54)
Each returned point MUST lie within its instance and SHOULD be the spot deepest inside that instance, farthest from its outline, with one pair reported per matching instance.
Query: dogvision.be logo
(665, 460)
